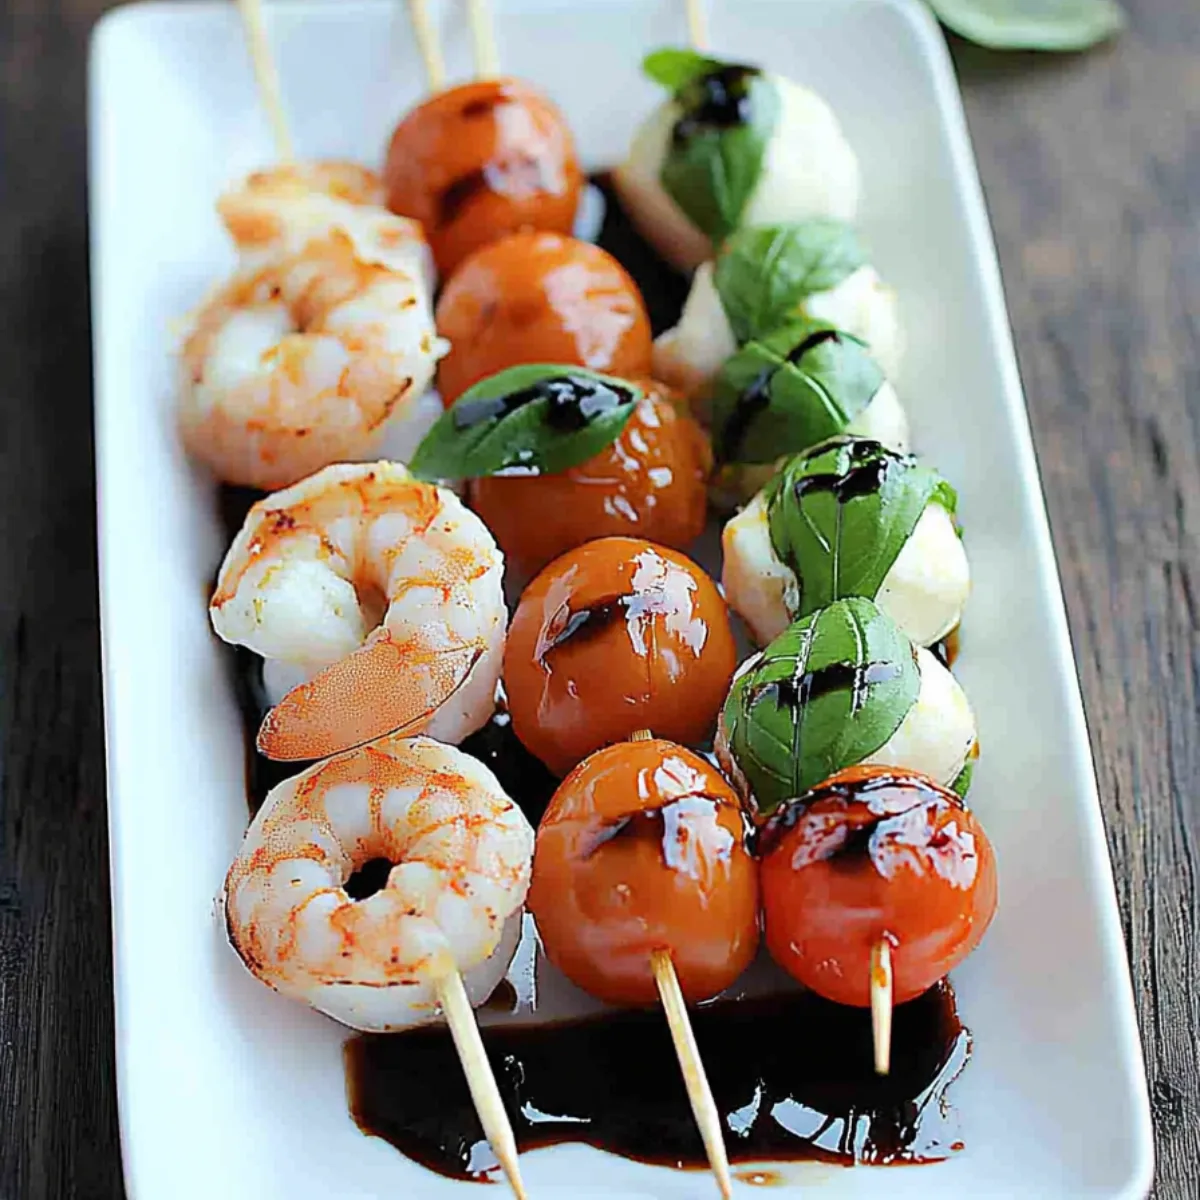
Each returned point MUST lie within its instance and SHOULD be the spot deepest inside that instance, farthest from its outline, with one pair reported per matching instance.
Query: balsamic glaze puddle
(792, 1077)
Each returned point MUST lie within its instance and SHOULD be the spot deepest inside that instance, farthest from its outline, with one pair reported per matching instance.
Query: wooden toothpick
(428, 44)
(697, 23)
(881, 1004)
(266, 76)
(483, 39)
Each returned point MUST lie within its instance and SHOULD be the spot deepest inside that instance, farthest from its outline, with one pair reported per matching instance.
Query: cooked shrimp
(306, 356)
(461, 853)
(383, 593)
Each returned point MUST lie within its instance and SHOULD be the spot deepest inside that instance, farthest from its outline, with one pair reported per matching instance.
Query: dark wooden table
(1092, 170)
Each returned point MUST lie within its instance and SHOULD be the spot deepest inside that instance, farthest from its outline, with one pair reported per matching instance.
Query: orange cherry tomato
(479, 161)
(649, 482)
(641, 849)
(616, 635)
(540, 298)
(875, 853)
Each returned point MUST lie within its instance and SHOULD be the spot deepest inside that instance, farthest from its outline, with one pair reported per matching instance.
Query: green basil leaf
(1032, 24)
(824, 695)
(674, 68)
(764, 274)
(538, 419)
(839, 515)
(962, 781)
(785, 392)
(718, 144)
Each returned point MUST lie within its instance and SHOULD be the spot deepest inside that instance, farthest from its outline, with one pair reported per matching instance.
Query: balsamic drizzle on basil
(538, 419)
(840, 514)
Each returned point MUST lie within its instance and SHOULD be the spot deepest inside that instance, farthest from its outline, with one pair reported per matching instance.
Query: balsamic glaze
(792, 1077)
(458, 193)
(573, 401)
(857, 677)
(756, 398)
(664, 826)
(719, 100)
(522, 775)
(663, 289)
(865, 472)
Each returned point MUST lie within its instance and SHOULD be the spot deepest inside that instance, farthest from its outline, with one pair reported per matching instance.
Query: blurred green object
(1032, 24)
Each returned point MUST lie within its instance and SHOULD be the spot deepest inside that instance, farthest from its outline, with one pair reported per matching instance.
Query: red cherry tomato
(875, 853)
(615, 636)
(649, 482)
(540, 298)
(480, 161)
(641, 849)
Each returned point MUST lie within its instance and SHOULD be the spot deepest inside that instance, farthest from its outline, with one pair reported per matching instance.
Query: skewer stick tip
(484, 1092)
(483, 39)
(699, 1092)
(641, 735)
(428, 44)
(881, 1004)
(697, 24)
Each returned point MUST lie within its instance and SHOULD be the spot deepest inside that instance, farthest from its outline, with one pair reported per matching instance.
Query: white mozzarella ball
(938, 733)
(883, 420)
(862, 304)
(758, 586)
(689, 355)
(808, 170)
(926, 589)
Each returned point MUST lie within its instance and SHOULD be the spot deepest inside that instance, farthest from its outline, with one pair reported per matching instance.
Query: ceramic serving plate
(228, 1090)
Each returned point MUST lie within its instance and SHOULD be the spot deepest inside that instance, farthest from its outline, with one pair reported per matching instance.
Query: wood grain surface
(1092, 169)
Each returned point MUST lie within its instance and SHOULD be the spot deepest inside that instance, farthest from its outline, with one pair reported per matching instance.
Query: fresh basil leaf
(764, 274)
(962, 781)
(718, 144)
(538, 419)
(1032, 24)
(784, 393)
(839, 515)
(824, 695)
(674, 68)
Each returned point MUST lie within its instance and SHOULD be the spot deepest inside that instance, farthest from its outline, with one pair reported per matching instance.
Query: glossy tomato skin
(480, 161)
(614, 636)
(540, 298)
(649, 483)
(641, 849)
(875, 853)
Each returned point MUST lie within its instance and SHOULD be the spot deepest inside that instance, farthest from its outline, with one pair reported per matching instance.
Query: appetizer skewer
(644, 890)
(312, 914)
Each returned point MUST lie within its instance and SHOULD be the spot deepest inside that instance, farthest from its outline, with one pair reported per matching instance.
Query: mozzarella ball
(938, 734)
(924, 591)
(690, 354)
(808, 170)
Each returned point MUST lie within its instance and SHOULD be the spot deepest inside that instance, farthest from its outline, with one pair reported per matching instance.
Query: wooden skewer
(266, 76)
(483, 38)
(704, 1107)
(428, 44)
(496, 1126)
(699, 1092)
(881, 1004)
(697, 23)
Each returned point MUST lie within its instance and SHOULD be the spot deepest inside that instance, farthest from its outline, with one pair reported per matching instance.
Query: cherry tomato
(641, 849)
(540, 297)
(616, 635)
(875, 853)
(479, 161)
(649, 482)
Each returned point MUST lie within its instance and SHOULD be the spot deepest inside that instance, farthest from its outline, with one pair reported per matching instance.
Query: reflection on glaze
(614, 636)
(642, 848)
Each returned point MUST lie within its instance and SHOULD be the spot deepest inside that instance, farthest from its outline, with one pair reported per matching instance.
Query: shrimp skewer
(441, 930)
(381, 597)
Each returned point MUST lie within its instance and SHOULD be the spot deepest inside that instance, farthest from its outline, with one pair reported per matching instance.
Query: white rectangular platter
(228, 1090)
